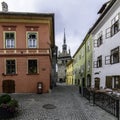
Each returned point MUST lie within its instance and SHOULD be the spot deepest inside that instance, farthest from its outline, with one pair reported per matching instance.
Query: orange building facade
(26, 43)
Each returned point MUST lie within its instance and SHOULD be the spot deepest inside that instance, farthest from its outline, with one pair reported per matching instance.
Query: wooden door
(8, 86)
(108, 82)
(97, 83)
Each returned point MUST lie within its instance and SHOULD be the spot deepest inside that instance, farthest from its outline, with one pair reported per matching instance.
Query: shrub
(13, 103)
(5, 98)
(8, 104)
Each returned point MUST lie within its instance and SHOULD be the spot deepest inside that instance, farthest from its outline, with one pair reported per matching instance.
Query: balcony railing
(108, 102)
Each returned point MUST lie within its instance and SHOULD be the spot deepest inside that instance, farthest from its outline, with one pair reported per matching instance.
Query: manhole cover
(49, 106)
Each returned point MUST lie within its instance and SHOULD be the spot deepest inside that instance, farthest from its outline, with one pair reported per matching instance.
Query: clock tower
(62, 59)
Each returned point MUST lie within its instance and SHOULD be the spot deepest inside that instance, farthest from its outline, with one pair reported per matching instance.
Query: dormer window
(104, 6)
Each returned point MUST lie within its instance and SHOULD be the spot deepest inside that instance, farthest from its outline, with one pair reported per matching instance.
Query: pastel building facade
(69, 73)
(106, 51)
(26, 52)
(82, 63)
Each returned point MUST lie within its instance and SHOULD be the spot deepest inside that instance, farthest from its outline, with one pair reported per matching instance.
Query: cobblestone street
(66, 104)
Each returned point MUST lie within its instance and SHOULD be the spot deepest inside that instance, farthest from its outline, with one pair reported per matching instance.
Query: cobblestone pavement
(67, 103)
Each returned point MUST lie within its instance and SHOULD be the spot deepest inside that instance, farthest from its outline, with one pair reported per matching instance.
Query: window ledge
(32, 74)
(9, 74)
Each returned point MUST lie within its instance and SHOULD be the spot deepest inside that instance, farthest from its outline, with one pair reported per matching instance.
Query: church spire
(64, 37)
(64, 46)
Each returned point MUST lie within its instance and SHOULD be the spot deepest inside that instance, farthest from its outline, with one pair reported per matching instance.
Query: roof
(69, 62)
(103, 7)
(112, 2)
(87, 35)
(27, 14)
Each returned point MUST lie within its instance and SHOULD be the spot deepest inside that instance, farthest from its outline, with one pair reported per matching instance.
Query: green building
(82, 63)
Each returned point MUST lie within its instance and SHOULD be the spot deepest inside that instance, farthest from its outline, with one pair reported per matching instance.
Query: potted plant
(8, 106)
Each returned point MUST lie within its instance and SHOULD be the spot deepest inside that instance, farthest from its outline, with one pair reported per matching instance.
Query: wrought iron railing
(108, 102)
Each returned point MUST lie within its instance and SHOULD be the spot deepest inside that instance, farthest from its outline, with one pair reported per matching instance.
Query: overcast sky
(76, 16)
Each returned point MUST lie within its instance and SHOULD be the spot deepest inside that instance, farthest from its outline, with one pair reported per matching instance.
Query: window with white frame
(32, 39)
(99, 61)
(115, 55)
(113, 82)
(9, 40)
(32, 66)
(114, 28)
(108, 33)
(99, 39)
(10, 67)
(116, 82)
(115, 25)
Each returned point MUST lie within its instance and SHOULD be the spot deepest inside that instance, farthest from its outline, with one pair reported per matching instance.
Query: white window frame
(37, 66)
(15, 66)
(32, 43)
(9, 43)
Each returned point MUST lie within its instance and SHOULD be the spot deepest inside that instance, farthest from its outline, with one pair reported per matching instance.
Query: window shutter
(95, 64)
(95, 43)
(119, 21)
(108, 33)
(111, 59)
(107, 60)
(108, 81)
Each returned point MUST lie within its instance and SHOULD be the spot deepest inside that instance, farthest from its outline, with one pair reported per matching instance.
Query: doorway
(8, 86)
(88, 80)
(97, 83)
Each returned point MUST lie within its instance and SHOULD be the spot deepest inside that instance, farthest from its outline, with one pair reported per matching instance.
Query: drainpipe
(85, 62)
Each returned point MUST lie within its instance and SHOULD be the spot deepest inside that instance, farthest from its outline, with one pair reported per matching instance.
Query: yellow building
(69, 73)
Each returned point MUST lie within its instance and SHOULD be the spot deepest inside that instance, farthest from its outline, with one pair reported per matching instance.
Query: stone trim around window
(9, 38)
(32, 39)
(10, 67)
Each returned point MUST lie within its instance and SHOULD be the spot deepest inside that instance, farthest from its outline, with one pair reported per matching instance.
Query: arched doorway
(8, 86)
(97, 83)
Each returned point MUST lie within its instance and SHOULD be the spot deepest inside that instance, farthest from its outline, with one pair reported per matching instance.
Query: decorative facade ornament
(4, 7)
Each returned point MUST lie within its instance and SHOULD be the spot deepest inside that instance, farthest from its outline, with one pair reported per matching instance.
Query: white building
(106, 51)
